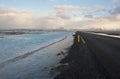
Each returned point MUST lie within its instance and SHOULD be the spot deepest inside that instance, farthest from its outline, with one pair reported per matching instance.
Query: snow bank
(103, 34)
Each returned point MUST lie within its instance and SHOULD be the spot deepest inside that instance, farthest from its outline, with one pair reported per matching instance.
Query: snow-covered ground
(31, 56)
(103, 34)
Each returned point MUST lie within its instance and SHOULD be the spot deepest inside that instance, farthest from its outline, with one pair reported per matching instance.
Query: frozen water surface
(31, 56)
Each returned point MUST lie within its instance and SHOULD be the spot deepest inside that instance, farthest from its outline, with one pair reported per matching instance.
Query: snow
(12, 46)
(31, 56)
(103, 34)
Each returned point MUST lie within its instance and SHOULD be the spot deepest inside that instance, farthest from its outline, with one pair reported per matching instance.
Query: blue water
(15, 45)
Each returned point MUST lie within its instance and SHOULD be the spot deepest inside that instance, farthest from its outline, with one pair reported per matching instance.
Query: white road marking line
(83, 40)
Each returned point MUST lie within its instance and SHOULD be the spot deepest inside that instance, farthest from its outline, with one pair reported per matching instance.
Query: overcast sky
(54, 14)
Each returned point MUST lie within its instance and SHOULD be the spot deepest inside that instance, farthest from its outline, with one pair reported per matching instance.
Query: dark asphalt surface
(107, 52)
(97, 58)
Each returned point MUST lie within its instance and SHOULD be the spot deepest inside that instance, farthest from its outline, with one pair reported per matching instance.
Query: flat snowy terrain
(31, 56)
(104, 34)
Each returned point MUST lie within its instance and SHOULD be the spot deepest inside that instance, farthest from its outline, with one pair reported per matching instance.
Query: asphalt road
(106, 51)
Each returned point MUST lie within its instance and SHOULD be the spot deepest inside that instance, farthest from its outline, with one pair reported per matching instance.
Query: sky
(60, 14)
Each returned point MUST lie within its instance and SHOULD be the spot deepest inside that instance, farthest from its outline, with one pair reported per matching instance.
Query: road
(106, 50)
(92, 56)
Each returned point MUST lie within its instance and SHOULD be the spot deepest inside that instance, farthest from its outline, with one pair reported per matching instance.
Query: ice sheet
(37, 65)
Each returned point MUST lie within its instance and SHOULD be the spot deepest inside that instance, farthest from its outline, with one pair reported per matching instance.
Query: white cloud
(63, 15)
(102, 23)
(70, 7)
(64, 11)
(64, 7)
(52, 0)
(11, 18)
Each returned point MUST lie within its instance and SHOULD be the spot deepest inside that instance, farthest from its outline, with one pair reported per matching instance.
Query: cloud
(50, 22)
(115, 10)
(64, 11)
(108, 22)
(101, 23)
(62, 14)
(61, 17)
(115, 1)
(63, 7)
(70, 7)
(11, 18)
(51, 0)
(89, 16)
(61, 11)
